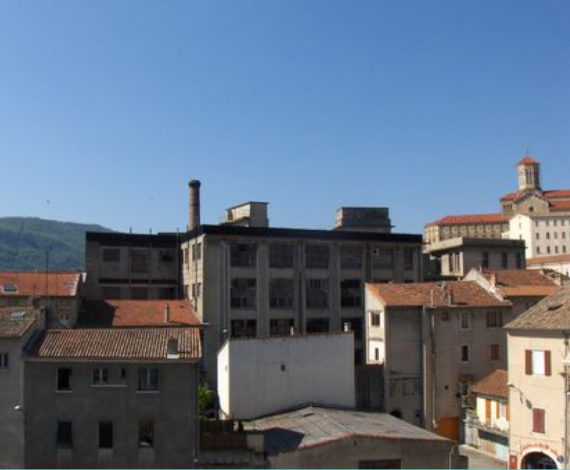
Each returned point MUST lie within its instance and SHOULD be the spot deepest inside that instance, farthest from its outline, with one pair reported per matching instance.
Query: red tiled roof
(527, 160)
(118, 344)
(550, 195)
(472, 219)
(521, 282)
(464, 294)
(560, 205)
(125, 313)
(15, 321)
(55, 283)
(548, 259)
(494, 385)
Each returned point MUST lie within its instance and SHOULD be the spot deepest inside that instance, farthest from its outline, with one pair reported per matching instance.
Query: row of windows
(554, 235)
(137, 293)
(139, 259)
(317, 256)
(454, 261)
(494, 319)
(494, 352)
(546, 223)
(555, 250)
(280, 327)
(243, 293)
(147, 378)
(64, 433)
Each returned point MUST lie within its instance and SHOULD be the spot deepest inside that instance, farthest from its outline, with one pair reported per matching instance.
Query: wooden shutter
(528, 362)
(497, 409)
(547, 364)
(507, 411)
(487, 410)
(538, 420)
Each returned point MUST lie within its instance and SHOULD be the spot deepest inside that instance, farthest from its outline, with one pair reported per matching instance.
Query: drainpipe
(433, 371)
(422, 365)
(565, 399)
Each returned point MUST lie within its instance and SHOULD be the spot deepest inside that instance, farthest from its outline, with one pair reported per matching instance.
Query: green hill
(24, 242)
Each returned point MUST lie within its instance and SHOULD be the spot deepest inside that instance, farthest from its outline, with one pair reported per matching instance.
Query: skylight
(9, 288)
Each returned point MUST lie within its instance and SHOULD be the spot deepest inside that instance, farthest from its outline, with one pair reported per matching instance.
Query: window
(464, 353)
(123, 373)
(4, 361)
(465, 320)
(281, 255)
(505, 260)
(167, 256)
(10, 288)
(374, 319)
(519, 260)
(445, 315)
(64, 435)
(243, 293)
(281, 327)
(353, 324)
(317, 256)
(243, 255)
(538, 235)
(548, 235)
(317, 293)
(244, 328)
(148, 379)
(537, 250)
(146, 434)
(139, 261)
(105, 434)
(111, 255)
(350, 293)
(538, 420)
(485, 260)
(408, 258)
(538, 362)
(317, 325)
(196, 252)
(281, 293)
(495, 352)
(350, 257)
(100, 376)
(494, 319)
(382, 258)
(139, 293)
(63, 378)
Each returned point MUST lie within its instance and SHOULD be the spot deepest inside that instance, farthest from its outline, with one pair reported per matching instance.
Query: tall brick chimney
(194, 205)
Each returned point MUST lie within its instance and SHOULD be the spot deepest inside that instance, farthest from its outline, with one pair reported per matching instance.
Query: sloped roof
(549, 194)
(528, 160)
(551, 313)
(466, 219)
(118, 344)
(27, 284)
(494, 385)
(128, 313)
(521, 282)
(316, 426)
(464, 294)
(549, 259)
(16, 321)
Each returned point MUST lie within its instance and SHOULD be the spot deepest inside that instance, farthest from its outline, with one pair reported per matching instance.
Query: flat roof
(458, 242)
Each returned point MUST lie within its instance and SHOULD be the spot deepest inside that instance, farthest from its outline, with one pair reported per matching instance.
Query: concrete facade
(132, 266)
(249, 281)
(544, 235)
(285, 372)
(172, 410)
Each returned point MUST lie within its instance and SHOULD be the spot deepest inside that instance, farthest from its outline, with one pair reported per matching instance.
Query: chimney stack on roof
(194, 205)
(167, 313)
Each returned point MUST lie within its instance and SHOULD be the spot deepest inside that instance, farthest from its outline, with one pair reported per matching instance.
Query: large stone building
(112, 398)
(468, 226)
(539, 362)
(259, 281)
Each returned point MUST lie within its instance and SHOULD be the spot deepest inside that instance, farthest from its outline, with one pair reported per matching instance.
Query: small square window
(100, 376)
(148, 379)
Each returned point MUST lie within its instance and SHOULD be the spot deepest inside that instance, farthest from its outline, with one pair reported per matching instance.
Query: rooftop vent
(554, 305)
(9, 288)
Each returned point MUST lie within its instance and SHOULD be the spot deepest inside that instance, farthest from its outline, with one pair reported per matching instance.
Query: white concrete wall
(545, 235)
(267, 375)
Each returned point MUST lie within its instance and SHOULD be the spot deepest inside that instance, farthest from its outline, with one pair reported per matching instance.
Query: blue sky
(108, 108)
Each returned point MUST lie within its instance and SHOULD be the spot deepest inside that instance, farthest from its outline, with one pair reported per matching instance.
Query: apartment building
(538, 384)
(434, 340)
(544, 235)
(132, 266)
(118, 398)
(17, 326)
(454, 257)
(59, 293)
(467, 226)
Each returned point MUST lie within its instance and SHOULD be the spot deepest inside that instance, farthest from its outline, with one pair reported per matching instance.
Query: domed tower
(529, 174)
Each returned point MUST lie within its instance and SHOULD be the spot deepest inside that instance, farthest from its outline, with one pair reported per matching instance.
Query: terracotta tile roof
(527, 160)
(550, 195)
(560, 205)
(549, 259)
(494, 385)
(464, 294)
(15, 321)
(466, 219)
(551, 313)
(20, 284)
(118, 344)
(521, 282)
(125, 313)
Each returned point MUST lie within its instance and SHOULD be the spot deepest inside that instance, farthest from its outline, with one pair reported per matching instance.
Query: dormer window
(10, 288)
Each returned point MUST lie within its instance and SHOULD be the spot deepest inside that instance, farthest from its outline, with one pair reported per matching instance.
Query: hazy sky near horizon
(108, 108)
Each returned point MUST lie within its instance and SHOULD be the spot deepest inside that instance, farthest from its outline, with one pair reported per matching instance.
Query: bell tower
(529, 174)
